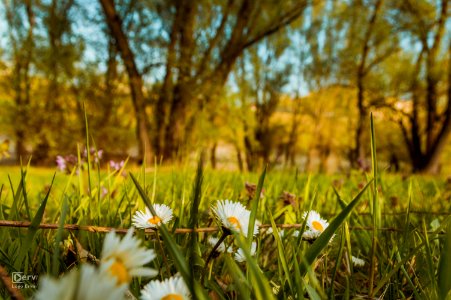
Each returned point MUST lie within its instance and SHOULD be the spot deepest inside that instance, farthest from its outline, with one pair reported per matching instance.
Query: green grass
(410, 261)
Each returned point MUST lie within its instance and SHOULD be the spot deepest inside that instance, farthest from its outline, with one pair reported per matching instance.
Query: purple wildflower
(61, 163)
(116, 166)
(97, 155)
(104, 191)
(67, 163)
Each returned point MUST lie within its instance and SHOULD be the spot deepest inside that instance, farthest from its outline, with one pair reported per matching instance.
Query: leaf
(383, 281)
(88, 154)
(173, 248)
(239, 279)
(197, 191)
(312, 292)
(32, 229)
(376, 215)
(24, 188)
(253, 216)
(281, 251)
(258, 280)
(321, 242)
(58, 237)
(337, 264)
(444, 266)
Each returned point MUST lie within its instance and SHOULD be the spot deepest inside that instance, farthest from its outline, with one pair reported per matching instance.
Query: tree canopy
(289, 83)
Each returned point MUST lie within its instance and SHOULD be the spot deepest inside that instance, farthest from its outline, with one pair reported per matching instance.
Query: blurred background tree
(287, 83)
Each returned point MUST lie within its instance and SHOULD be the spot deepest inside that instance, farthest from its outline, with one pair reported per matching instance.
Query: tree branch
(380, 59)
(283, 21)
(440, 28)
(366, 44)
(214, 41)
(406, 137)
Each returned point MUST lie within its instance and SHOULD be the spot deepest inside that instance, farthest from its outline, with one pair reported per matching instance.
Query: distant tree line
(279, 82)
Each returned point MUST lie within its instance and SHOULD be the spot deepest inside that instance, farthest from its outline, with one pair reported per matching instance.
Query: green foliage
(444, 267)
(282, 103)
(26, 244)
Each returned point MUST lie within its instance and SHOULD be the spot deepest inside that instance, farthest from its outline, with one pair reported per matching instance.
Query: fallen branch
(6, 279)
(103, 229)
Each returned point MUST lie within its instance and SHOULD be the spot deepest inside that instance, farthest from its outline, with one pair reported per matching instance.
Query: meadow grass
(397, 226)
(404, 255)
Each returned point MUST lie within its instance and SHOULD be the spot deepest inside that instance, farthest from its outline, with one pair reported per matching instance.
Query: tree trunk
(41, 151)
(213, 155)
(250, 153)
(114, 23)
(21, 108)
(22, 53)
(204, 80)
(358, 153)
(175, 129)
(162, 108)
(239, 158)
(171, 123)
(438, 128)
(290, 152)
(432, 157)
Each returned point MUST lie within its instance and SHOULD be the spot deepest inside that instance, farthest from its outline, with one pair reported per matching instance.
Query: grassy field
(406, 257)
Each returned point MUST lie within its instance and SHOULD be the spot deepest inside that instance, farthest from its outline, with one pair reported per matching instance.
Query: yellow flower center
(119, 270)
(234, 221)
(172, 297)
(318, 226)
(154, 220)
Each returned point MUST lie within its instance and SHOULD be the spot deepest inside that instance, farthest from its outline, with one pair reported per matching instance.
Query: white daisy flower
(84, 284)
(148, 220)
(271, 231)
(309, 234)
(125, 258)
(94, 285)
(312, 235)
(358, 262)
(239, 255)
(282, 233)
(173, 288)
(314, 222)
(233, 216)
(213, 240)
(63, 288)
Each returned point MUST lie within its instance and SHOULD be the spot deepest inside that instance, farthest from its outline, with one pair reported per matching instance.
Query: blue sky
(93, 35)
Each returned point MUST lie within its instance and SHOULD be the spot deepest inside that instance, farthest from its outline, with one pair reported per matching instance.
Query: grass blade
(194, 214)
(34, 226)
(59, 237)
(254, 208)
(173, 248)
(444, 266)
(24, 188)
(281, 251)
(322, 241)
(337, 263)
(376, 207)
(88, 154)
(383, 281)
(238, 278)
(259, 282)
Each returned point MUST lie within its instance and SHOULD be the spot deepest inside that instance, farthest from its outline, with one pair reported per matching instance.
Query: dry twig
(103, 229)
(6, 279)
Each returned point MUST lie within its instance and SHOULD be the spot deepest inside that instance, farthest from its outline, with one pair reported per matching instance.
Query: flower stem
(162, 253)
(216, 246)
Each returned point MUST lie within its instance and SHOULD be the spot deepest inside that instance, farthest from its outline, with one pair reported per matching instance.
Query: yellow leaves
(4, 149)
